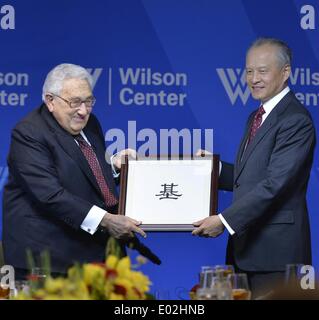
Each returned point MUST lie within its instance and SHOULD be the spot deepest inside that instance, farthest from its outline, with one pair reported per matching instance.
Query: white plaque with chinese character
(169, 195)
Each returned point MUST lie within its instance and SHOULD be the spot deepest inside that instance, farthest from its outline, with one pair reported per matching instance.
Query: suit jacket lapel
(266, 126)
(262, 131)
(68, 144)
(244, 140)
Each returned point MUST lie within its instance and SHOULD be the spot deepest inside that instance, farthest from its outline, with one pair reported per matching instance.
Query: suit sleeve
(33, 168)
(226, 177)
(293, 151)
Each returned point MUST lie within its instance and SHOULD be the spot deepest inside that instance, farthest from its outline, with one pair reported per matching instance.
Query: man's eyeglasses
(76, 103)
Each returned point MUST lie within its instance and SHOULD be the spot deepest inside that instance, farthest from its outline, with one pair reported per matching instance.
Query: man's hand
(209, 227)
(119, 158)
(121, 227)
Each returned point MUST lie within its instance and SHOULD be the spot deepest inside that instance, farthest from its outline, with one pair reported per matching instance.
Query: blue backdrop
(195, 51)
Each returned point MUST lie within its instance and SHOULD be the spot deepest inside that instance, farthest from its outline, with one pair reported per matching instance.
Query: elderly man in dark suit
(268, 219)
(61, 193)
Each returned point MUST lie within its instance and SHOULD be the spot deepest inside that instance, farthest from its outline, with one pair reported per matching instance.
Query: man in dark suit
(61, 193)
(268, 219)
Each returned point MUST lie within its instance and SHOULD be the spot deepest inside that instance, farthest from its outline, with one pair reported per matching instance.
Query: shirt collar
(84, 137)
(271, 104)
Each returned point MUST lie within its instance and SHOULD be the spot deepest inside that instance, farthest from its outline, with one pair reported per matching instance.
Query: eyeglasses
(77, 102)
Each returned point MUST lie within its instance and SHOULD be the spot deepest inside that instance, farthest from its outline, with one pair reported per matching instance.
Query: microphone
(137, 245)
(132, 243)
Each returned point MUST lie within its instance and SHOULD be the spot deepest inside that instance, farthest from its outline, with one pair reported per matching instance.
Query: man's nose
(82, 109)
(255, 77)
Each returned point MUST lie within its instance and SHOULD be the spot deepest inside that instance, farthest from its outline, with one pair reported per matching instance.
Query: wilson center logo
(233, 80)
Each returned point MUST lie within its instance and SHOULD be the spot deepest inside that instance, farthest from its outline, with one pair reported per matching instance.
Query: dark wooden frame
(171, 227)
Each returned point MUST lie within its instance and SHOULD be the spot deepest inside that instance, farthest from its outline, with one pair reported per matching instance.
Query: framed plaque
(169, 194)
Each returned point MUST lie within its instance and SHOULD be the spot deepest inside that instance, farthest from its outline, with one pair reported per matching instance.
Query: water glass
(20, 286)
(240, 287)
(206, 294)
(4, 291)
(205, 277)
(223, 270)
(224, 289)
(37, 277)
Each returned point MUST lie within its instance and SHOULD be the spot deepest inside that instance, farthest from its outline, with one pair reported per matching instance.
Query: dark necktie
(94, 164)
(256, 123)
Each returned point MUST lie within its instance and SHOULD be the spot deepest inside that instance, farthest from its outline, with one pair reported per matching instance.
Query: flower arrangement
(115, 279)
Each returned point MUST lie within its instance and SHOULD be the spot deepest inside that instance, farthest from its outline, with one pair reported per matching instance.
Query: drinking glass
(37, 277)
(20, 286)
(209, 291)
(205, 276)
(240, 287)
(4, 291)
(223, 269)
(208, 279)
(206, 294)
(224, 289)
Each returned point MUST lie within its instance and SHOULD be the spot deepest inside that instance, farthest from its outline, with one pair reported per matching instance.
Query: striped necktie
(256, 123)
(88, 152)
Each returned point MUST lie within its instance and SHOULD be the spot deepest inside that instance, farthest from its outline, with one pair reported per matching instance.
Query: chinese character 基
(168, 192)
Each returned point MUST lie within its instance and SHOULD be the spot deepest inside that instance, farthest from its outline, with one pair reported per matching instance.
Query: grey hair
(54, 80)
(284, 53)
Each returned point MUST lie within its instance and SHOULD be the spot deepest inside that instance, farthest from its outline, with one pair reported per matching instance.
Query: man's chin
(257, 96)
(78, 126)
(77, 129)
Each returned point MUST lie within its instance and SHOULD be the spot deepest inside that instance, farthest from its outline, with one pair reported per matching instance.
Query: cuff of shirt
(93, 219)
(115, 173)
(227, 226)
(220, 168)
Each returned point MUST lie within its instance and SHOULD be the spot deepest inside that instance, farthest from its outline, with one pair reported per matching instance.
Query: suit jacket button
(236, 185)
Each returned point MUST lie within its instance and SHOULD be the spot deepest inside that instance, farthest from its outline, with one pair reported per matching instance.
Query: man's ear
(287, 71)
(49, 101)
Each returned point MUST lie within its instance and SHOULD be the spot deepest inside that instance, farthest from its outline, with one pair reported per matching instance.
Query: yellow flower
(112, 280)
(54, 297)
(140, 281)
(92, 273)
(111, 261)
(114, 296)
(123, 266)
(108, 289)
(23, 296)
(123, 282)
(54, 285)
(76, 289)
